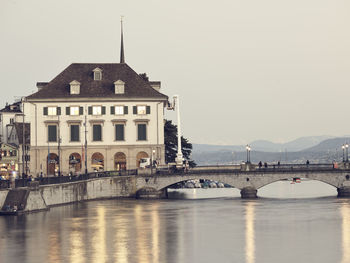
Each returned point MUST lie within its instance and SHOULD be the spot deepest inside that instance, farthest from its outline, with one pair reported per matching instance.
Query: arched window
(119, 161)
(97, 162)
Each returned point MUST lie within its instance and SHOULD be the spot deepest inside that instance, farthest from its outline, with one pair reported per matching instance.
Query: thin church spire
(122, 58)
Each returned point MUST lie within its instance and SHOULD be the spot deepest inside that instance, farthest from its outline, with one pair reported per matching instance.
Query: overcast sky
(244, 69)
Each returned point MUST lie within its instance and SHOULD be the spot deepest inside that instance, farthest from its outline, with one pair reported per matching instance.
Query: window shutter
(45, 110)
(119, 132)
(97, 132)
(52, 133)
(148, 109)
(58, 110)
(141, 132)
(125, 109)
(90, 110)
(67, 110)
(74, 133)
(103, 110)
(81, 110)
(112, 110)
(134, 109)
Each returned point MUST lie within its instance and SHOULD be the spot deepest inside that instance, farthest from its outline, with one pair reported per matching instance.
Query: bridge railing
(67, 179)
(254, 169)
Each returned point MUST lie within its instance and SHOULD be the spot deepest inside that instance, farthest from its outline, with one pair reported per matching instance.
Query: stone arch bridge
(247, 181)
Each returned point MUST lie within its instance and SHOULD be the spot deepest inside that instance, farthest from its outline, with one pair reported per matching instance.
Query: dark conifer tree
(170, 141)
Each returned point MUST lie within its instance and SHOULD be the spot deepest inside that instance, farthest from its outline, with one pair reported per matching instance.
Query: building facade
(95, 117)
(8, 116)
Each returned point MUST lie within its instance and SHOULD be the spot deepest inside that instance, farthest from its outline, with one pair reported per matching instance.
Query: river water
(288, 223)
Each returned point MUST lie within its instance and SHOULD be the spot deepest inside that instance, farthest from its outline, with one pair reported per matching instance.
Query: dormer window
(119, 87)
(97, 74)
(75, 87)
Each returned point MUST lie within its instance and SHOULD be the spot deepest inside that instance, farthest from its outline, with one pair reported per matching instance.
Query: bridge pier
(249, 193)
(151, 193)
(344, 191)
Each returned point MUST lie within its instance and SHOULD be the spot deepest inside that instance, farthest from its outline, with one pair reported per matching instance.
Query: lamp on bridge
(248, 148)
(346, 152)
(343, 147)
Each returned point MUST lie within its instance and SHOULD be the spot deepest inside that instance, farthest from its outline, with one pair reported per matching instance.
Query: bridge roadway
(247, 178)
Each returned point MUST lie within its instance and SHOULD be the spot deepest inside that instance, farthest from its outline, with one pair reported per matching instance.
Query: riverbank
(37, 198)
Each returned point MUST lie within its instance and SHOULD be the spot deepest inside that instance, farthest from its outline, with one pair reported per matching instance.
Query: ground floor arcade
(48, 161)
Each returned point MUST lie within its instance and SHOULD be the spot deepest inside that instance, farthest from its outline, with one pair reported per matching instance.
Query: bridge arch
(329, 180)
(168, 181)
(249, 182)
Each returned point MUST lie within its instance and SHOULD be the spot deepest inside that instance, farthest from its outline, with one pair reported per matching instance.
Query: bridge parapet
(254, 179)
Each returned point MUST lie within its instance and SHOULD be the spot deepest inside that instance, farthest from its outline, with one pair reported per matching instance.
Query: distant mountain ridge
(331, 145)
(266, 146)
(316, 149)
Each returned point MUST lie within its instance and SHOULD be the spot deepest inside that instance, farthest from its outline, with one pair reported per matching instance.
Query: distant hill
(215, 148)
(312, 148)
(265, 146)
(330, 145)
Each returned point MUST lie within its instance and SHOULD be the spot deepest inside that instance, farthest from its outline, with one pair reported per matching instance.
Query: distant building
(8, 160)
(105, 109)
(19, 137)
(8, 116)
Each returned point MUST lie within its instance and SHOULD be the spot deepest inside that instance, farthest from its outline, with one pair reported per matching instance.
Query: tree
(170, 141)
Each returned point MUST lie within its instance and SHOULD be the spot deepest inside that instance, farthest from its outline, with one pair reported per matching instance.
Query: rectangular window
(141, 132)
(52, 111)
(74, 110)
(119, 132)
(119, 110)
(52, 133)
(74, 133)
(141, 109)
(97, 132)
(96, 110)
(97, 75)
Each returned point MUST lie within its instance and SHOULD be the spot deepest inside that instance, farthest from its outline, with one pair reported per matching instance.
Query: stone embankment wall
(101, 188)
(42, 197)
(3, 195)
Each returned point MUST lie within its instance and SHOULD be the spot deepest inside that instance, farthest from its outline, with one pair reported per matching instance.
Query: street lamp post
(346, 152)
(152, 160)
(248, 148)
(343, 147)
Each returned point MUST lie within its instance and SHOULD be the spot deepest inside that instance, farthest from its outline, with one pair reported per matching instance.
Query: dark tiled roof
(15, 107)
(19, 130)
(135, 86)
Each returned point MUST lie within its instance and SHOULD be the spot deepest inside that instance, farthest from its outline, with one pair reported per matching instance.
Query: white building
(122, 110)
(94, 117)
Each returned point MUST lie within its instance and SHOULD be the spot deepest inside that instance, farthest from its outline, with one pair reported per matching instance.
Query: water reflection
(141, 235)
(249, 232)
(99, 239)
(121, 239)
(219, 230)
(54, 245)
(155, 234)
(345, 212)
(76, 242)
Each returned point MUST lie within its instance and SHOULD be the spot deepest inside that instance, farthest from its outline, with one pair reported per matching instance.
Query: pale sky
(244, 70)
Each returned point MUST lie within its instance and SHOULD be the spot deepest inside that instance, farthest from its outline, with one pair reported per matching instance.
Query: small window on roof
(74, 87)
(97, 74)
(119, 87)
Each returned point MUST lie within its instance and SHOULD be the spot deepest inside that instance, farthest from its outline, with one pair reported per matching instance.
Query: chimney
(40, 85)
(155, 85)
